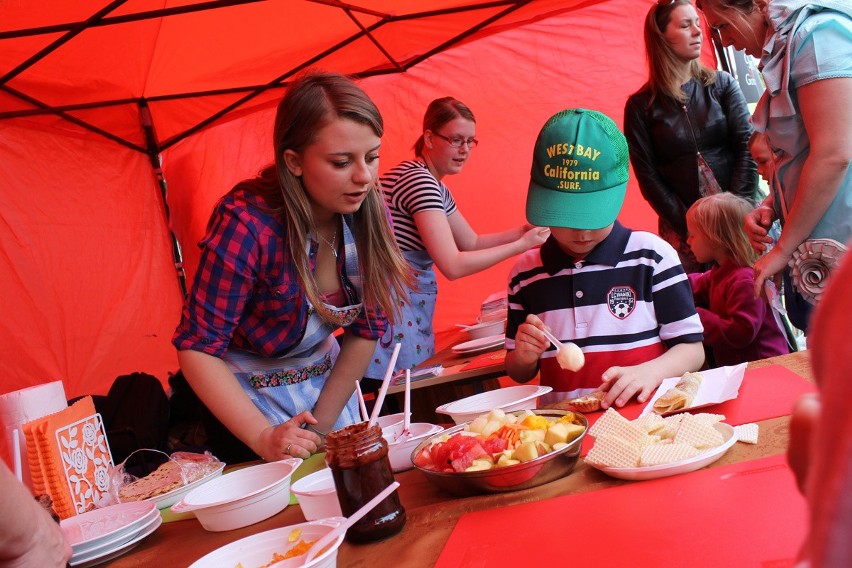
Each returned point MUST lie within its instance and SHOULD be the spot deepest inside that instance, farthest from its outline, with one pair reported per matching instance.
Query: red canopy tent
(122, 122)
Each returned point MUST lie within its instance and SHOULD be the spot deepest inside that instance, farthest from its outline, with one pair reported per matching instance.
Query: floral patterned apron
(414, 328)
(282, 387)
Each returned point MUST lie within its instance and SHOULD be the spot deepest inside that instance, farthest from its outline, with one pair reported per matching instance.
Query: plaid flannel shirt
(246, 292)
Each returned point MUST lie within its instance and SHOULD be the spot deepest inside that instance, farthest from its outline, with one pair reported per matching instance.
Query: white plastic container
(258, 549)
(399, 451)
(242, 497)
(317, 495)
(521, 397)
(391, 425)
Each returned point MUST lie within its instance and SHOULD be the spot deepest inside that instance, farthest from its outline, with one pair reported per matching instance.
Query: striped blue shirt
(623, 304)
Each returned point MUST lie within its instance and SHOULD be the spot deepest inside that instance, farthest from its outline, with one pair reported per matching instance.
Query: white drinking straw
(380, 399)
(16, 454)
(407, 410)
(364, 414)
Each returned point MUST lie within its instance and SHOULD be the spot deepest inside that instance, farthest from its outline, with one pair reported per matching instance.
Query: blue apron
(414, 328)
(282, 387)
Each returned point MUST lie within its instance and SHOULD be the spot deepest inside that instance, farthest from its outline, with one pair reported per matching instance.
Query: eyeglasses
(457, 142)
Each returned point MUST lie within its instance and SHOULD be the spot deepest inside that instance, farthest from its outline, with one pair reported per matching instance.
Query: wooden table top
(431, 513)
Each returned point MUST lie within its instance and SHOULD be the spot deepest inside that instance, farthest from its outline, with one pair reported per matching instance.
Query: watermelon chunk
(495, 445)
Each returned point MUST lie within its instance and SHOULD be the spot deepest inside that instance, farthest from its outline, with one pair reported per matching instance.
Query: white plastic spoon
(568, 354)
(333, 535)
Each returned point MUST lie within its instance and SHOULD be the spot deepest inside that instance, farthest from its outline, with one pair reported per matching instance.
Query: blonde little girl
(737, 326)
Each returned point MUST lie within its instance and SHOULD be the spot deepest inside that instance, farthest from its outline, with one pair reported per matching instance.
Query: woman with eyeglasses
(805, 51)
(430, 230)
(687, 128)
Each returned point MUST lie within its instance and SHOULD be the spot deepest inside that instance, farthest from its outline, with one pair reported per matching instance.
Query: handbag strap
(776, 188)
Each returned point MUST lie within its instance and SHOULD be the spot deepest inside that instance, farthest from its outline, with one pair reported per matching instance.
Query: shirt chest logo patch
(621, 300)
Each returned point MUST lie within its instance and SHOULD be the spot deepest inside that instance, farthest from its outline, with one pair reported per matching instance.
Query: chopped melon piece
(562, 432)
(478, 424)
(480, 464)
(497, 415)
(505, 460)
(491, 427)
(525, 452)
(532, 435)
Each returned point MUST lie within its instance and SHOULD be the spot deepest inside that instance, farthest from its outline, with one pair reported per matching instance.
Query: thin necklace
(332, 245)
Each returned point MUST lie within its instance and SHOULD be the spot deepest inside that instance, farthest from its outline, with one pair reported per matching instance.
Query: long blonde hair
(721, 217)
(311, 102)
(663, 64)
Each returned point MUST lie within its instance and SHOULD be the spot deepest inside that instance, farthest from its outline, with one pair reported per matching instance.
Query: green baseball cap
(579, 171)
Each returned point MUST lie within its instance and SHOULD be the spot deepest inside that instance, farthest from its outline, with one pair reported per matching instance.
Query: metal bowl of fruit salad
(498, 452)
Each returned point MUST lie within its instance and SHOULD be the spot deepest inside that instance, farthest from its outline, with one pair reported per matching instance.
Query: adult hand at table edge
(803, 421)
(289, 439)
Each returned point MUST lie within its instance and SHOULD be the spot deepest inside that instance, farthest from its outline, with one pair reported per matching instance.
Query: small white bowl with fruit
(500, 451)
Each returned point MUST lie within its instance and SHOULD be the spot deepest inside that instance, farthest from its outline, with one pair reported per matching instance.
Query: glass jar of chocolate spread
(358, 458)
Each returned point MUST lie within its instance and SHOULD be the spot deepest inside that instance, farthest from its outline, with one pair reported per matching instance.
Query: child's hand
(623, 383)
(530, 341)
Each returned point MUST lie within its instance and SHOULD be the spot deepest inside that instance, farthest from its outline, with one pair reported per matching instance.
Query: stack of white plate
(103, 534)
(481, 344)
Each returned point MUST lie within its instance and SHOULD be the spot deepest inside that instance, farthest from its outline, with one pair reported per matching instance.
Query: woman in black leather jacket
(685, 108)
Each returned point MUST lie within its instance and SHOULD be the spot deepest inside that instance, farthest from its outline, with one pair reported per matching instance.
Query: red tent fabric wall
(513, 81)
(88, 286)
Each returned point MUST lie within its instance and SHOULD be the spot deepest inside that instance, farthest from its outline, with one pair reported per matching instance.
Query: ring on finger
(287, 449)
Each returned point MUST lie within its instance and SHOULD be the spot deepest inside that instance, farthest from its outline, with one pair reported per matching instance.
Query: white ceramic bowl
(242, 497)
(521, 397)
(486, 329)
(317, 495)
(257, 550)
(399, 451)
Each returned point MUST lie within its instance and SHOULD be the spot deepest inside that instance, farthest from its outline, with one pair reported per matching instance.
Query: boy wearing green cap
(622, 296)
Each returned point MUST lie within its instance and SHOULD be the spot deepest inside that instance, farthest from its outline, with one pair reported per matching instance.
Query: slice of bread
(169, 476)
(162, 480)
